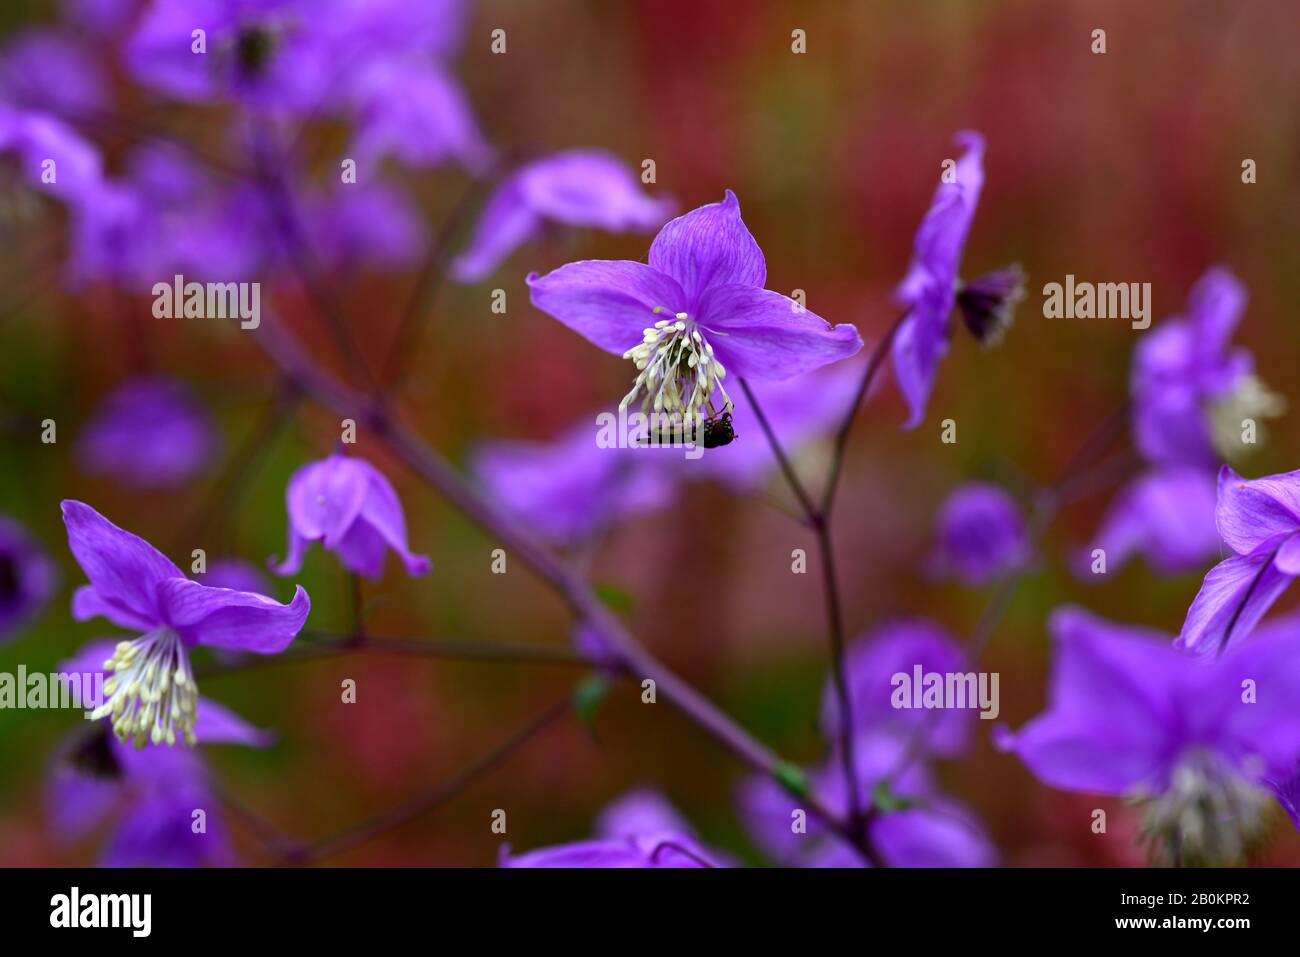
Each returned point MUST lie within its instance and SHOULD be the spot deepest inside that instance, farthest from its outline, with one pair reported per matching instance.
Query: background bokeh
(1117, 167)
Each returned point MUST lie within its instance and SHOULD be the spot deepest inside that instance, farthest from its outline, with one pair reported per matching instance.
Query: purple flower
(570, 488)
(641, 829)
(1130, 715)
(378, 62)
(1165, 515)
(914, 825)
(705, 277)
(149, 433)
(152, 694)
(414, 110)
(921, 829)
(1258, 520)
(27, 578)
(933, 286)
(153, 792)
(580, 188)
(1191, 391)
(237, 575)
(981, 534)
(352, 509)
(870, 665)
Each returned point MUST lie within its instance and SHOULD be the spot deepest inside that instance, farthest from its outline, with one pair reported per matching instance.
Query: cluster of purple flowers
(1200, 728)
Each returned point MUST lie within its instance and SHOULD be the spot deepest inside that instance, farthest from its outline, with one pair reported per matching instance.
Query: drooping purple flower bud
(352, 509)
(641, 829)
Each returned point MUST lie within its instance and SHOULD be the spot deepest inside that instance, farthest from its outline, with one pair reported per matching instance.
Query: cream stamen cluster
(1208, 816)
(678, 371)
(151, 694)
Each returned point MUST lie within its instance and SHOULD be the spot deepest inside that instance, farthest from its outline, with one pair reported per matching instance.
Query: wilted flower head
(152, 696)
(149, 433)
(1191, 390)
(352, 509)
(1196, 740)
(1165, 515)
(582, 188)
(27, 578)
(981, 534)
(1258, 520)
(641, 829)
(933, 285)
(696, 313)
(153, 791)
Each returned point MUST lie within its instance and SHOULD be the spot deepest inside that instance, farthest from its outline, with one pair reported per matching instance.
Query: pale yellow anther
(152, 694)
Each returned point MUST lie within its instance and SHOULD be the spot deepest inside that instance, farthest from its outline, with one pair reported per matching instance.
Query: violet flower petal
(609, 303)
(760, 334)
(222, 618)
(124, 569)
(709, 246)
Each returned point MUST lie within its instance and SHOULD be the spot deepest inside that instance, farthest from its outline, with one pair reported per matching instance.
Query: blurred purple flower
(415, 111)
(28, 578)
(152, 694)
(801, 411)
(705, 276)
(154, 791)
(641, 829)
(981, 534)
(1165, 515)
(579, 188)
(870, 664)
(165, 216)
(53, 72)
(148, 433)
(923, 829)
(1186, 379)
(352, 509)
(371, 224)
(570, 488)
(933, 285)
(1130, 715)
(377, 62)
(1258, 520)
